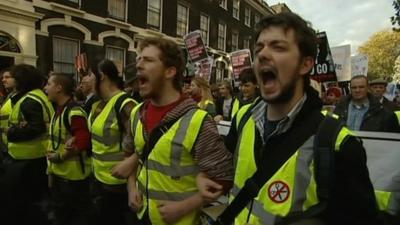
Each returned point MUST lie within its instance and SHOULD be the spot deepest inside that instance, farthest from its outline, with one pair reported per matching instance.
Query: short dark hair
(27, 78)
(109, 69)
(247, 75)
(66, 81)
(360, 77)
(171, 56)
(304, 34)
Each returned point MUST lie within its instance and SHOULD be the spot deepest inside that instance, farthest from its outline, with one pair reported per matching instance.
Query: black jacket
(33, 115)
(87, 105)
(377, 118)
(352, 199)
(219, 107)
(391, 106)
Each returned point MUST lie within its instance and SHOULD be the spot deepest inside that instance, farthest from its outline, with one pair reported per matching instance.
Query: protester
(27, 144)
(227, 105)
(87, 87)
(361, 111)
(68, 161)
(248, 87)
(378, 89)
(289, 112)
(182, 142)
(6, 108)
(108, 123)
(201, 93)
(333, 95)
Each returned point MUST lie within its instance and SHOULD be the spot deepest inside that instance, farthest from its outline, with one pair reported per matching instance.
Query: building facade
(51, 34)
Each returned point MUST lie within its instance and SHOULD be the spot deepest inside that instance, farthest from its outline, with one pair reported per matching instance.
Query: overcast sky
(345, 21)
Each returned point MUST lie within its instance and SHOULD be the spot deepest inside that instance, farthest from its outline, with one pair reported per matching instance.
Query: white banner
(359, 65)
(342, 59)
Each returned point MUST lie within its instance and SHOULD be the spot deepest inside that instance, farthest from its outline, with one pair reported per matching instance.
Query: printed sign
(359, 65)
(195, 46)
(204, 68)
(241, 60)
(324, 68)
(342, 59)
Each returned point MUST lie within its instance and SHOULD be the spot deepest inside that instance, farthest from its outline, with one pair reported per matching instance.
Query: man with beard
(285, 53)
(175, 141)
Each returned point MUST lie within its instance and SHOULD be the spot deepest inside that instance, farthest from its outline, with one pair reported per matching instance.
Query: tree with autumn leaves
(382, 49)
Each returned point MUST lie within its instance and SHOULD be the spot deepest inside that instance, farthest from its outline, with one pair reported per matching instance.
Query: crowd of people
(148, 151)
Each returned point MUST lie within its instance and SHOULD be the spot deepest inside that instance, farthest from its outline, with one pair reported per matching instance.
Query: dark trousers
(111, 203)
(71, 201)
(23, 183)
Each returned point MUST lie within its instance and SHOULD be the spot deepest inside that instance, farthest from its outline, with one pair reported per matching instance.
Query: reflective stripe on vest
(35, 148)
(69, 169)
(170, 167)
(106, 139)
(5, 112)
(291, 190)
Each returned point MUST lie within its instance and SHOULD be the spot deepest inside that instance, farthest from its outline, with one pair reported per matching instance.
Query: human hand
(208, 189)
(123, 169)
(218, 118)
(135, 199)
(171, 211)
(54, 157)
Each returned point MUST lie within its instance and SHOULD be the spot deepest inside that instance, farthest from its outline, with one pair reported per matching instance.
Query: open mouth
(268, 74)
(142, 79)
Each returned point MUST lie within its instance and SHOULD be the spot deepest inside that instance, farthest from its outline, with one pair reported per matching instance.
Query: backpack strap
(324, 159)
(67, 125)
(324, 165)
(117, 107)
(298, 135)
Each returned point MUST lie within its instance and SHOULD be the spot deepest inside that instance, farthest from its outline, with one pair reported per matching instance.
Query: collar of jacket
(312, 102)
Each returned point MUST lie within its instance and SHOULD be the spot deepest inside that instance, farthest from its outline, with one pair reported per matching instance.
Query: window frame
(160, 13)
(178, 21)
(124, 18)
(78, 50)
(205, 39)
(247, 17)
(218, 42)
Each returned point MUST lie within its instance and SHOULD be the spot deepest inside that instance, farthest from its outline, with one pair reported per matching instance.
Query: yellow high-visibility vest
(35, 148)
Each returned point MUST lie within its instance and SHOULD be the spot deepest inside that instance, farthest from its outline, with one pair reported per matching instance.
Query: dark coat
(377, 118)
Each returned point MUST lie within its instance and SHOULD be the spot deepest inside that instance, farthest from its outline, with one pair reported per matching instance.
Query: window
(221, 36)
(204, 27)
(235, 41)
(117, 55)
(154, 14)
(256, 18)
(246, 43)
(247, 14)
(236, 4)
(182, 20)
(116, 9)
(223, 3)
(64, 53)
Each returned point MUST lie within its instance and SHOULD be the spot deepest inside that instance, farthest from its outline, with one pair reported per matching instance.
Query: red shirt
(154, 114)
(79, 130)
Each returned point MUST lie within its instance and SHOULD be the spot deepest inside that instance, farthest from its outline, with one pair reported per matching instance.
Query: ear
(170, 72)
(59, 88)
(102, 76)
(307, 64)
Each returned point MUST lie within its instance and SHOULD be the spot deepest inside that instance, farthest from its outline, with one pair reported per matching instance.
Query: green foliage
(382, 50)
